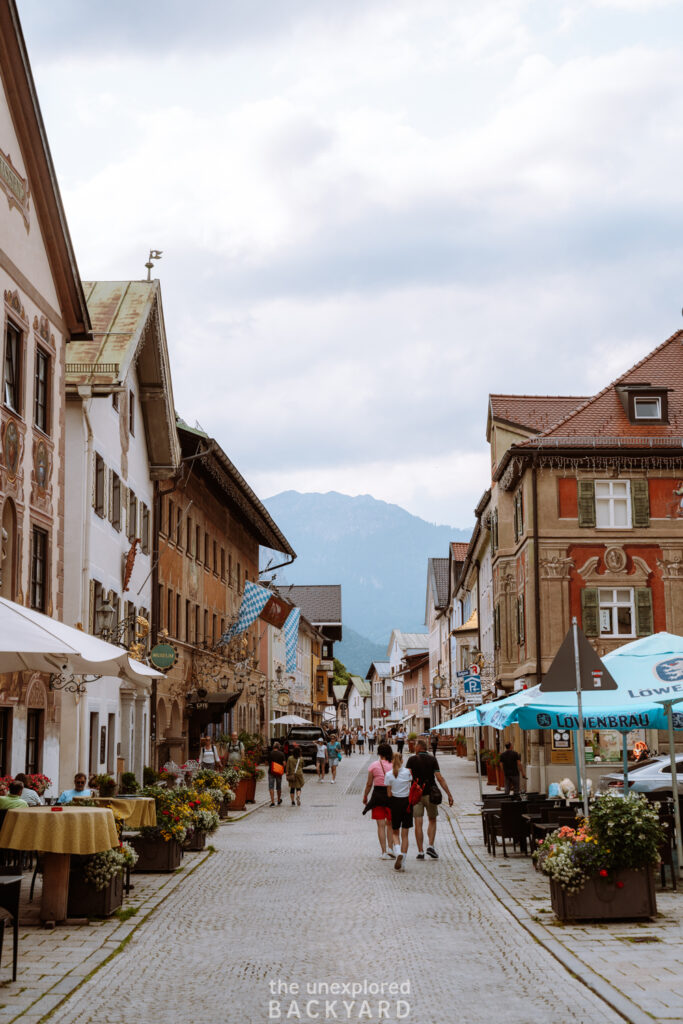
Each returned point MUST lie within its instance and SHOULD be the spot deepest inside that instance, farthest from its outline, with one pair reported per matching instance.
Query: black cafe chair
(10, 891)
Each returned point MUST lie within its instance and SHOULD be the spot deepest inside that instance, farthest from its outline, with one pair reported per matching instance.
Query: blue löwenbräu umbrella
(649, 678)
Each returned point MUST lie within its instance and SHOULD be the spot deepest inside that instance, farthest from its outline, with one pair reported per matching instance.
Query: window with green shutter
(644, 617)
(496, 627)
(520, 620)
(590, 616)
(586, 503)
(640, 503)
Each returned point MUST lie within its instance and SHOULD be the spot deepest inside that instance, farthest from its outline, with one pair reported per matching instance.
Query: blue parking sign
(472, 685)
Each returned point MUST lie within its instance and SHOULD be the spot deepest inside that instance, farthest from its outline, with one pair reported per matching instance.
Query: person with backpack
(294, 770)
(379, 801)
(425, 771)
(334, 755)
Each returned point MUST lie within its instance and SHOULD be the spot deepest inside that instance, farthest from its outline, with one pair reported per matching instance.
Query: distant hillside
(357, 652)
(377, 551)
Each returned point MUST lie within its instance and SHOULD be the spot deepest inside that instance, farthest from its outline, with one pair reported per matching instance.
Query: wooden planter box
(87, 901)
(500, 777)
(491, 773)
(251, 790)
(196, 840)
(223, 808)
(241, 790)
(601, 899)
(411, 746)
(155, 854)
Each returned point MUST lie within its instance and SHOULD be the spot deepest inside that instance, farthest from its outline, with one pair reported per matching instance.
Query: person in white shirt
(29, 794)
(398, 782)
(320, 758)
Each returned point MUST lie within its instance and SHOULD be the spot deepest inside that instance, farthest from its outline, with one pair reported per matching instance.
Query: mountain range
(378, 553)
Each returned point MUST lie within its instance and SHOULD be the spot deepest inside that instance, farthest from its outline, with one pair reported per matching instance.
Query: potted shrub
(129, 784)
(219, 784)
(491, 760)
(105, 785)
(203, 822)
(96, 882)
(603, 870)
(251, 773)
(412, 736)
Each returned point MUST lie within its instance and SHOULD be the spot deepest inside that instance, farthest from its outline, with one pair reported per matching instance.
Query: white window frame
(608, 602)
(610, 499)
(648, 399)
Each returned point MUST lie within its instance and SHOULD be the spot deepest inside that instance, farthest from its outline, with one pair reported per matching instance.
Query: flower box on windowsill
(603, 899)
(87, 901)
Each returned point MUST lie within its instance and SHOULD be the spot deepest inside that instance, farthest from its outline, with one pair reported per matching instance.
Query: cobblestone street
(300, 896)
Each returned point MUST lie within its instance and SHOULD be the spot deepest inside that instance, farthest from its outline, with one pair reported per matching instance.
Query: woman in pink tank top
(379, 801)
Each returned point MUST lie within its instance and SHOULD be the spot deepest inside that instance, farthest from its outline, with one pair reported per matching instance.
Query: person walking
(512, 766)
(371, 740)
(346, 740)
(354, 740)
(425, 771)
(434, 742)
(276, 769)
(235, 751)
(379, 801)
(400, 739)
(398, 782)
(334, 755)
(320, 758)
(361, 740)
(294, 770)
(208, 755)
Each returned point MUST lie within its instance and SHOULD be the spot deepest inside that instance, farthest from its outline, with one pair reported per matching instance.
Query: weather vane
(154, 254)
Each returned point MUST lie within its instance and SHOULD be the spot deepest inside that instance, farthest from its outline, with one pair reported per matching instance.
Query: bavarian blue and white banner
(254, 600)
(291, 636)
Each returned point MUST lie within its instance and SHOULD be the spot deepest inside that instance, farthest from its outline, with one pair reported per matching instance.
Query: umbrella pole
(624, 756)
(477, 745)
(674, 786)
(581, 766)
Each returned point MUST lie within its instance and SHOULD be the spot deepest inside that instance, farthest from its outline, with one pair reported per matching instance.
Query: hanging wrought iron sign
(163, 656)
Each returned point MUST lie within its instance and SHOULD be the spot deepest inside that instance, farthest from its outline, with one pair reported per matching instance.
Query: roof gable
(603, 419)
(320, 603)
(128, 330)
(532, 413)
(42, 180)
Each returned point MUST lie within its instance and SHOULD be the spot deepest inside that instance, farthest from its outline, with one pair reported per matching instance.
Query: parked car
(305, 736)
(650, 776)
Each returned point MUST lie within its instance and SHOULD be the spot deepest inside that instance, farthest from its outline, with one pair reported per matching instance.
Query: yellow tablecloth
(71, 830)
(136, 813)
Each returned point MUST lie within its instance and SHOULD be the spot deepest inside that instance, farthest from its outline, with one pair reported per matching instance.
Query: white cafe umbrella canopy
(290, 720)
(35, 642)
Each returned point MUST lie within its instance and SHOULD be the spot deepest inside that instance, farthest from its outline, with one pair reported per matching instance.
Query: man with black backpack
(425, 770)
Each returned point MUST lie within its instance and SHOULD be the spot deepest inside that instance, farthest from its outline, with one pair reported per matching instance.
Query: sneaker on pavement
(399, 862)
(431, 852)
(390, 853)
(385, 856)
(397, 849)
(420, 856)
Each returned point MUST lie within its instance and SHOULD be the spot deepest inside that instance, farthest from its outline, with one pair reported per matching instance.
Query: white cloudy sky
(375, 212)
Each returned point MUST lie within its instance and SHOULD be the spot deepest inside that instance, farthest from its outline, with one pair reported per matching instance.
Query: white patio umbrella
(290, 720)
(32, 641)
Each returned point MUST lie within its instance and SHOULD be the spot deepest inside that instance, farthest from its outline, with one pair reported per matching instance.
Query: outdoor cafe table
(137, 812)
(58, 834)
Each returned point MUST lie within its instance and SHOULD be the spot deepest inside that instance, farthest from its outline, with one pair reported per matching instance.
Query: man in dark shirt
(512, 765)
(425, 769)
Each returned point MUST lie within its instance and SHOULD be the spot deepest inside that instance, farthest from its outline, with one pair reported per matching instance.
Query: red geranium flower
(603, 873)
(620, 885)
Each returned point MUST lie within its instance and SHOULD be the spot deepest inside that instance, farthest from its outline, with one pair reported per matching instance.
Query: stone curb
(620, 1003)
(43, 1008)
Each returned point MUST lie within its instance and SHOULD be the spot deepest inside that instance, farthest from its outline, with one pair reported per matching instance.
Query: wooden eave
(17, 78)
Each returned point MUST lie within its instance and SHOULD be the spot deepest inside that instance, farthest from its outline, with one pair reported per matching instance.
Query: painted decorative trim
(15, 187)
(615, 559)
(671, 570)
(14, 302)
(556, 568)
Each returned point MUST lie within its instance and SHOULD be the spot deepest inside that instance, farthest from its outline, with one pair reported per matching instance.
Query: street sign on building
(472, 685)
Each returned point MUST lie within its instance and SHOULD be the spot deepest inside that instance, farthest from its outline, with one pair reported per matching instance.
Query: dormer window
(647, 408)
(644, 402)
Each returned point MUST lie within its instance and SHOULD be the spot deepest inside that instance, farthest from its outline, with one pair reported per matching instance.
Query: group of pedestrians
(401, 796)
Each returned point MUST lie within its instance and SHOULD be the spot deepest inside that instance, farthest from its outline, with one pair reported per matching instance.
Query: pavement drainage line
(630, 1012)
(167, 890)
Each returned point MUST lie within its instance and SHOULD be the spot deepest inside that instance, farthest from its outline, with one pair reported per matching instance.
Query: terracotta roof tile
(459, 550)
(533, 412)
(603, 419)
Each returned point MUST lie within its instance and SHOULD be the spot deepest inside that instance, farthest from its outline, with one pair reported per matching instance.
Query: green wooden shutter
(520, 512)
(644, 619)
(496, 627)
(590, 611)
(494, 530)
(586, 504)
(640, 503)
(520, 619)
(515, 518)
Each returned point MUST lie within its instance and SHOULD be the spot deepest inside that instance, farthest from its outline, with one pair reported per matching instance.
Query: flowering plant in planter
(41, 783)
(173, 813)
(99, 869)
(620, 832)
